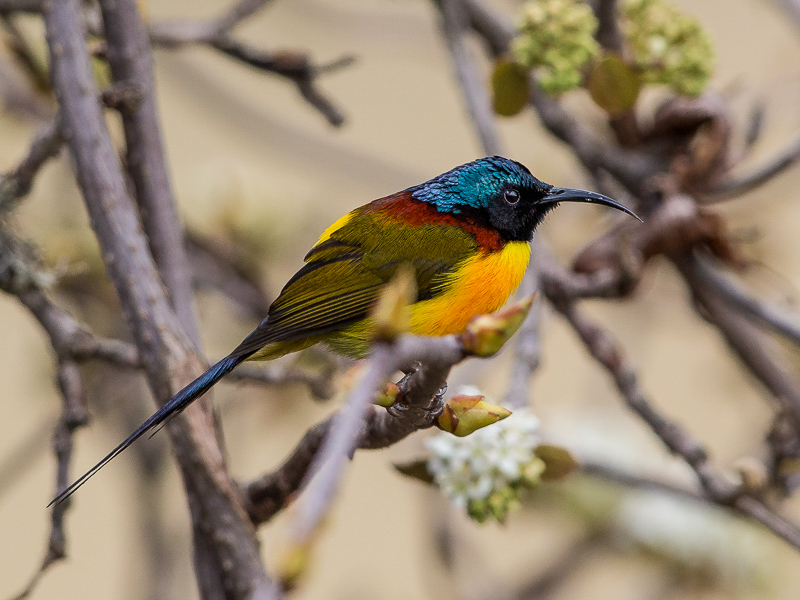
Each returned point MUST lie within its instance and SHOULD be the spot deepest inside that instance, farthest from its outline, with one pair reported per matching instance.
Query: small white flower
(471, 468)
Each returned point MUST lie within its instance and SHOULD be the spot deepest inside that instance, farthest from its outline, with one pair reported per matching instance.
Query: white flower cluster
(483, 472)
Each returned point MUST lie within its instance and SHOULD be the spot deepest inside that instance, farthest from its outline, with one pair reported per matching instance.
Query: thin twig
(757, 351)
(719, 489)
(454, 25)
(73, 416)
(215, 34)
(780, 320)
(17, 183)
(294, 66)
(734, 185)
(176, 33)
(638, 481)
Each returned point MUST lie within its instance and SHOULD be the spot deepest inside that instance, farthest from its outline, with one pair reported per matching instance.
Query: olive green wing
(345, 271)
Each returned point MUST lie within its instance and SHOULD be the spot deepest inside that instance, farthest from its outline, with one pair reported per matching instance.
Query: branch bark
(226, 551)
(131, 61)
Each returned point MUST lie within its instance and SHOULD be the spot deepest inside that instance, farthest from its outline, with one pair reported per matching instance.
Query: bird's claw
(399, 408)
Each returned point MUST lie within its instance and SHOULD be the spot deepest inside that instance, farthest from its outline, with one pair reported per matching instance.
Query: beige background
(242, 146)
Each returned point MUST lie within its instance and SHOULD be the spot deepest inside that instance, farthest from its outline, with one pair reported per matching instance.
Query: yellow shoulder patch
(337, 225)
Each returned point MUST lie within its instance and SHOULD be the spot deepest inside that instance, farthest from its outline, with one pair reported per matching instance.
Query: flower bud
(292, 564)
(463, 415)
(387, 396)
(391, 315)
(486, 334)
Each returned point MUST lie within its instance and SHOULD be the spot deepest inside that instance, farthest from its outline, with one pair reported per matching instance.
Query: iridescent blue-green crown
(475, 183)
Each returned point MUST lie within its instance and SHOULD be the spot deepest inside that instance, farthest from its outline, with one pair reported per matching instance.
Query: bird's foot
(399, 408)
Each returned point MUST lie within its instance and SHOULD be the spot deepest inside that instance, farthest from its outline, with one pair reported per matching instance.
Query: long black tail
(178, 402)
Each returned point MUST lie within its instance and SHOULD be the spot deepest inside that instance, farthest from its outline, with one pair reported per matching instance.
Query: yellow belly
(480, 285)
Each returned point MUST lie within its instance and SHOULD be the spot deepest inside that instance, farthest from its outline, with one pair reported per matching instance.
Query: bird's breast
(479, 285)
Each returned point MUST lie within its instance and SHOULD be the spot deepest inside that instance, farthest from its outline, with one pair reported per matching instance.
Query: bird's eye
(511, 196)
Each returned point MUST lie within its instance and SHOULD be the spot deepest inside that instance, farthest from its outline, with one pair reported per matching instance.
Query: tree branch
(454, 23)
(735, 185)
(73, 416)
(131, 62)
(215, 34)
(751, 344)
(228, 560)
(16, 183)
(31, 6)
(721, 491)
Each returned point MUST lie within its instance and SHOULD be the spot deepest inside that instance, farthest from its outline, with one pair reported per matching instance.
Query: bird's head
(502, 194)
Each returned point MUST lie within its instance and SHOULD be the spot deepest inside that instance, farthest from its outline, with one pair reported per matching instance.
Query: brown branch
(734, 185)
(780, 320)
(454, 23)
(420, 404)
(16, 183)
(225, 268)
(73, 416)
(294, 66)
(131, 62)
(638, 481)
(215, 34)
(757, 351)
(10, 6)
(721, 491)
(376, 428)
(200, 32)
(318, 384)
(226, 552)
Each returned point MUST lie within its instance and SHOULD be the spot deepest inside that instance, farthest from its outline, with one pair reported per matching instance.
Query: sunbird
(466, 234)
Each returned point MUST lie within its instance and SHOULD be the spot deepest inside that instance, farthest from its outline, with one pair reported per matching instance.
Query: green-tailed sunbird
(465, 234)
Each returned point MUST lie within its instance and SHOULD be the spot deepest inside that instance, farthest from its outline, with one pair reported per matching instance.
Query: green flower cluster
(556, 37)
(669, 47)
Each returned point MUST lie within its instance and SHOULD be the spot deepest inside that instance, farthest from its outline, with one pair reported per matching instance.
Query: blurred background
(260, 174)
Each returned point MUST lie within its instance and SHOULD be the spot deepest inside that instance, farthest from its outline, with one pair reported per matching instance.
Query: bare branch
(215, 34)
(638, 481)
(780, 320)
(73, 416)
(17, 183)
(605, 350)
(226, 551)
(176, 33)
(9, 6)
(319, 384)
(734, 185)
(371, 428)
(419, 400)
(757, 351)
(291, 65)
(130, 58)
(224, 268)
(473, 86)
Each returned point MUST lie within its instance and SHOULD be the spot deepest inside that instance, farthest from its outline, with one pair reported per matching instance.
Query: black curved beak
(556, 195)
